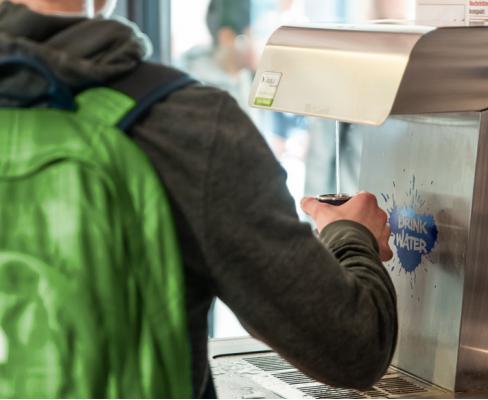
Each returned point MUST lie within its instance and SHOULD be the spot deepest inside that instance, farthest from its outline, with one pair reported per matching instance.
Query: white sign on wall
(452, 12)
(478, 12)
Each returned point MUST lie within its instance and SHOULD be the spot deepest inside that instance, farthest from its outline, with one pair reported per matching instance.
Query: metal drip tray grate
(391, 385)
(267, 374)
(269, 363)
(294, 377)
(399, 386)
(375, 394)
(327, 392)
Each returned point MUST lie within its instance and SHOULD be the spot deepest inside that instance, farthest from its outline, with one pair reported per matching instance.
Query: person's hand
(362, 208)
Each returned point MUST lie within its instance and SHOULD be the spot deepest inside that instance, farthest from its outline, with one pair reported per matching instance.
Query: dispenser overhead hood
(364, 73)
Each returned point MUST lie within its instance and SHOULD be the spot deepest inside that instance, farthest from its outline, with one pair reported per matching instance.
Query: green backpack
(91, 282)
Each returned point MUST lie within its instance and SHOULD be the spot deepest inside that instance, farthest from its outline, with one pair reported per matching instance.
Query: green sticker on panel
(261, 101)
(267, 88)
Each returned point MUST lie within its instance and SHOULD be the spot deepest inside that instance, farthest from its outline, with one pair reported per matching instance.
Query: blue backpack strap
(58, 94)
(148, 84)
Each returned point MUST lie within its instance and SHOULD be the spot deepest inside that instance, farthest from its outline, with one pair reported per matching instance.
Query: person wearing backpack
(131, 196)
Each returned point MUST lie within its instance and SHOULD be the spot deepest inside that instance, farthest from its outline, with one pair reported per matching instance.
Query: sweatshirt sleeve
(327, 305)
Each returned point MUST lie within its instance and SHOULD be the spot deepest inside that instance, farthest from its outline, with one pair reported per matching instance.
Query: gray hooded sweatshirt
(327, 305)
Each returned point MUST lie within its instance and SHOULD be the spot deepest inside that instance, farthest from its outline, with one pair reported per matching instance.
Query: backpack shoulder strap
(148, 84)
(57, 95)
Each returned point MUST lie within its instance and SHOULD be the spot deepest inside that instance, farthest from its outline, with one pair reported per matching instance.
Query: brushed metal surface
(331, 72)
(427, 163)
(363, 74)
(473, 350)
(446, 73)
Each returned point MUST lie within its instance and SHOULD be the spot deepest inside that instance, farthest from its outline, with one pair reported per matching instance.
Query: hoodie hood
(79, 51)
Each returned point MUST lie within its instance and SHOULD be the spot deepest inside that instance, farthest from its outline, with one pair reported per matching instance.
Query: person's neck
(54, 6)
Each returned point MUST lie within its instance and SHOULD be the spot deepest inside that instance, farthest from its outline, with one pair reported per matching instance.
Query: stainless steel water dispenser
(415, 98)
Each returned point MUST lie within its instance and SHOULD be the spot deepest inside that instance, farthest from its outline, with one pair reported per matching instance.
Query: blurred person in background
(229, 61)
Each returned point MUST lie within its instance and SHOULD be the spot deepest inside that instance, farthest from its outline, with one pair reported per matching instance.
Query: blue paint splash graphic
(414, 234)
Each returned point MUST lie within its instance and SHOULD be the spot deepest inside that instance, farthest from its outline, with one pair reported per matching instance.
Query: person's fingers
(362, 208)
(386, 252)
(367, 198)
(383, 217)
(310, 206)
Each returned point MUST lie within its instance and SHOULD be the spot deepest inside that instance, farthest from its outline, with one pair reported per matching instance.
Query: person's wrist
(341, 230)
